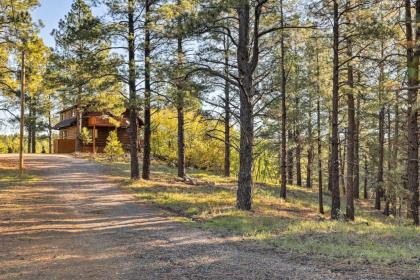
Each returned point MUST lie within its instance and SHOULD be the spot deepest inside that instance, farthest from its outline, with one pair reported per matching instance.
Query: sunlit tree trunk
(135, 172)
(244, 192)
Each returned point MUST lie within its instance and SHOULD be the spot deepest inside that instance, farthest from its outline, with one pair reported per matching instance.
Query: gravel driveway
(76, 223)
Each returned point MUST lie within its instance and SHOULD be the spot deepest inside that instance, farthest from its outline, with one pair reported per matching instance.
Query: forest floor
(76, 219)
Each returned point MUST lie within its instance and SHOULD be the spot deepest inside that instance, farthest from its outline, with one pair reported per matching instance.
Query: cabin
(99, 125)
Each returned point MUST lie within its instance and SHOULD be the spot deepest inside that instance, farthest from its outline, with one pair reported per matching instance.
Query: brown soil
(76, 223)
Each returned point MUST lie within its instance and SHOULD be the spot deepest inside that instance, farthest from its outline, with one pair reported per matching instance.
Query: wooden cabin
(99, 124)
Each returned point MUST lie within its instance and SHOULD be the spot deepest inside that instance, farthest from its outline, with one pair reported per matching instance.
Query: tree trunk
(320, 194)
(283, 164)
(298, 160)
(380, 175)
(335, 191)
(351, 130)
(181, 138)
(342, 159)
(389, 188)
(395, 151)
(356, 182)
(309, 166)
(244, 193)
(413, 52)
(33, 127)
(29, 124)
(147, 95)
(49, 132)
(298, 145)
(79, 120)
(22, 113)
(135, 172)
(365, 192)
(310, 146)
(180, 104)
(227, 109)
(290, 158)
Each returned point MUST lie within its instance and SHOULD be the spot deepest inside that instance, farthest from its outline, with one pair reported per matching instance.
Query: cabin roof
(67, 109)
(65, 123)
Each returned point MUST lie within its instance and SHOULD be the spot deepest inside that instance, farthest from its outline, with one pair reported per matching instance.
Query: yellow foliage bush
(201, 151)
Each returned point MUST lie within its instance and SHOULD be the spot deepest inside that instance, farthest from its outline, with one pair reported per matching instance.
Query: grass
(10, 178)
(292, 224)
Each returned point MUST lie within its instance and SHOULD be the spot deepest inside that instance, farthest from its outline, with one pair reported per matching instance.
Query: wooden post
(22, 113)
(94, 138)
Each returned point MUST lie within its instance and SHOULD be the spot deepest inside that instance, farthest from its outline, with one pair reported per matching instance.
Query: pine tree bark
(320, 191)
(381, 139)
(134, 160)
(22, 113)
(49, 131)
(298, 160)
(246, 67)
(147, 94)
(244, 198)
(395, 150)
(342, 159)
(309, 168)
(388, 190)
(33, 127)
(413, 52)
(380, 176)
(180, 103)
(298, 149)
(329, 162)
(29, 125)
(283, 164)
(335, 191)
(290, 153)
(356, 182)
(227, 109)
(351, 130)
(365, 192)
(310, 146)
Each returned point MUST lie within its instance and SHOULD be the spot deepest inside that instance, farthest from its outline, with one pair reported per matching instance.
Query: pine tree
(85, 68)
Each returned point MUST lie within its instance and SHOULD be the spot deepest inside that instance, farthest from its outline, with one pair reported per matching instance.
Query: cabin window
(73, 113)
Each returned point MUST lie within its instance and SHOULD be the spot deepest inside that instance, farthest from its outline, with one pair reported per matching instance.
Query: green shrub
(113, 149)
(86, 136)
(3, 148)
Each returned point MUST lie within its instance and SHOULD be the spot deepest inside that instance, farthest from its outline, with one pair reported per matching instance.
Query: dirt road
(76, 223)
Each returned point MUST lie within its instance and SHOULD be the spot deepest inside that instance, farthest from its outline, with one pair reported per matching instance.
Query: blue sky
(50, 12)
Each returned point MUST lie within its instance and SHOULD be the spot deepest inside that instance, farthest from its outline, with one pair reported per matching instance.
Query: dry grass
(9, 175)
